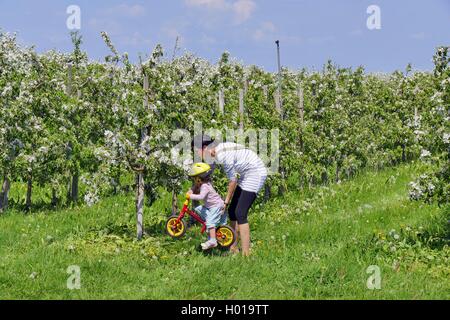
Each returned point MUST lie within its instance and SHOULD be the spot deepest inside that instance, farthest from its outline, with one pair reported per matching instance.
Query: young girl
(212, 210)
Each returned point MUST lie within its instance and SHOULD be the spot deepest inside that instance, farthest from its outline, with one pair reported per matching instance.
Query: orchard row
(68, 123)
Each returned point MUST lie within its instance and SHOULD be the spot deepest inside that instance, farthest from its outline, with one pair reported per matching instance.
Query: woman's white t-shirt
(237, 160)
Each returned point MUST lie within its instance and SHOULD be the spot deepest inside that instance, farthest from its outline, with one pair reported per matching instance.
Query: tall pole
(279, 75)
(175, 49)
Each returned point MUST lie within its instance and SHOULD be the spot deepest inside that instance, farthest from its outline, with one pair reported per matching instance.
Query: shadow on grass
(129, 230)
(438, 235)
(38, 207)
(42, 206)
(215, 252)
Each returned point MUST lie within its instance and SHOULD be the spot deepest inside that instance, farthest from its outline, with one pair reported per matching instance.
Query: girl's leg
(212, 234)
(233, 218)
(212, 241)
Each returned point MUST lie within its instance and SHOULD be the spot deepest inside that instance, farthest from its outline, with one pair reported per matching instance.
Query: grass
(313, 244)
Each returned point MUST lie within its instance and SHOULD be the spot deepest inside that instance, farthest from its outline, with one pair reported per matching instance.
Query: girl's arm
(203, 192)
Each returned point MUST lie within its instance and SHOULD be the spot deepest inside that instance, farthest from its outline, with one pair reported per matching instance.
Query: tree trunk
(74, 191)
(267, 192)
(69, 191)
(29, 193)
(337, 172)
(54, 198)
(4, 194)
(281, 188)
(174, 203)
(117, 182)
(140, 190)
(324, 178)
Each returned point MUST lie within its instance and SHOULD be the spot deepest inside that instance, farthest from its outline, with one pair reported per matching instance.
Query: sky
(310, 31)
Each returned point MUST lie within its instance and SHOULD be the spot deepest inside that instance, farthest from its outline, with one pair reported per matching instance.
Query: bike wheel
(174, 228)
(226, 236)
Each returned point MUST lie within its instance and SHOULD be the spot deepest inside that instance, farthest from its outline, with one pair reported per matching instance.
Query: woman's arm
(231, 188)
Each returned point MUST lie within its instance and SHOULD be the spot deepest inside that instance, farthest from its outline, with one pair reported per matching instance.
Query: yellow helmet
(200, 170)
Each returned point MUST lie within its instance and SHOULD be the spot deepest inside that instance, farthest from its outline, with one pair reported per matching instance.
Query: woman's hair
(206, 141)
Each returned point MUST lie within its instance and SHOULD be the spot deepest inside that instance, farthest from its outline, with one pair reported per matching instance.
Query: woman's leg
(246, 200)
(233, 218)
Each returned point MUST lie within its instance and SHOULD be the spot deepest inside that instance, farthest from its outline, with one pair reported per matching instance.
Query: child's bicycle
(176, 227)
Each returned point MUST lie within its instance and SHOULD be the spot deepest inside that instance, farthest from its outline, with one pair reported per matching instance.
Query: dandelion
(446, 138)
(425, 154)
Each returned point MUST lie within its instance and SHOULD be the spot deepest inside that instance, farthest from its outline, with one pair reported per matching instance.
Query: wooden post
(301, 109)
(140, 183)
(75, 189)
(267, 192)
(301, 106)
(29, 193)
(69, 80)
(72, 193)
(69, 93)
(221, 101)
(416, 117)
(277, 98)
(280, 78)
(241, 109)
(140, 190)
(266, 93)
(54, 198)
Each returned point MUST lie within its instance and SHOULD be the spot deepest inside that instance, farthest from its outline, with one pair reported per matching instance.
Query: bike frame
(186, 211)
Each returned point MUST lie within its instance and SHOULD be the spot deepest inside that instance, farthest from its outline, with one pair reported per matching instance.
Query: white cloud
(133, 40)
(242, 10)
(173, 33)
(126, 10)
(266, 29)
(210, 4)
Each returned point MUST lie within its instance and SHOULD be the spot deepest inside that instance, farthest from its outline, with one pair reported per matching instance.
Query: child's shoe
(209, 244)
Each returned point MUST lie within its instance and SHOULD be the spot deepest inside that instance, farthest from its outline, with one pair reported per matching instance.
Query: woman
(246, 174)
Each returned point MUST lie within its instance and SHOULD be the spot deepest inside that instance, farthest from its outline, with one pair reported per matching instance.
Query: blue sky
(310, 31)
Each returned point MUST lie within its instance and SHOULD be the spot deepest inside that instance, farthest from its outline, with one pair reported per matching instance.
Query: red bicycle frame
(185, 210)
